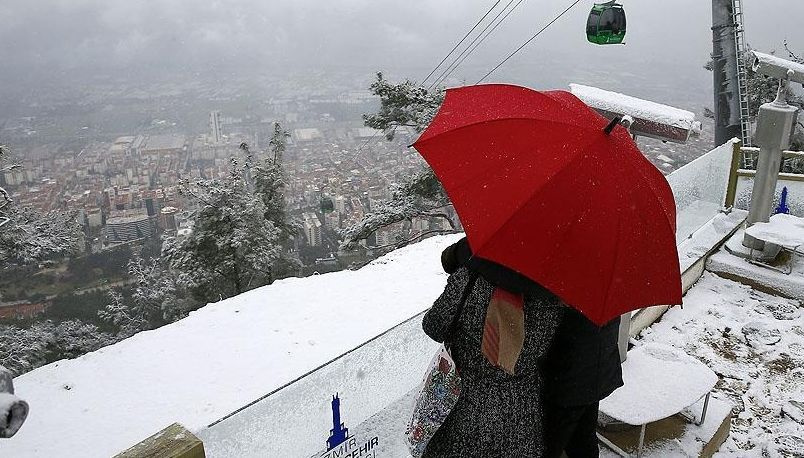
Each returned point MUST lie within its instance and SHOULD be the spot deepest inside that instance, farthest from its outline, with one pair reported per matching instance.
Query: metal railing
(736, 171)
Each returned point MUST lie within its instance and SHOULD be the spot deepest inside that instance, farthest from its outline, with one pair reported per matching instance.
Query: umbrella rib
(655, 197)
(652, 192)
(614, 262)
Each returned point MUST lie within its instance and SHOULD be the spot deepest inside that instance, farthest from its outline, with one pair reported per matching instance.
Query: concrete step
(676, 435)
(736, 268)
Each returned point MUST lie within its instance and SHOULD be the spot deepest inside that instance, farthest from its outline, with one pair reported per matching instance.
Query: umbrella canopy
(540, 188)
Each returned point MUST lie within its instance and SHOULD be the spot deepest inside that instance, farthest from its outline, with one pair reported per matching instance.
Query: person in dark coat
(581, 368)
(497, 413)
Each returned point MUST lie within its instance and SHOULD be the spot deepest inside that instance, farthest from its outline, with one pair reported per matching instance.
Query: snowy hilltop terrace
(255, 375)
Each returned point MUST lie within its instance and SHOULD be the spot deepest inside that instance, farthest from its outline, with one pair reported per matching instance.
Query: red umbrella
(541, 189)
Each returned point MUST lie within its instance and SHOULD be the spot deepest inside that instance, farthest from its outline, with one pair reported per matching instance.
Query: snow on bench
(787, 231)
(660, 381)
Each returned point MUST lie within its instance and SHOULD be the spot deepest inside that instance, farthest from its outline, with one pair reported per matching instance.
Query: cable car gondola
(606, 24)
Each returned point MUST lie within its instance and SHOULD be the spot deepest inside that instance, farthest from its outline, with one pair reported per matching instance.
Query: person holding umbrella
(500, 336)
(559, 206)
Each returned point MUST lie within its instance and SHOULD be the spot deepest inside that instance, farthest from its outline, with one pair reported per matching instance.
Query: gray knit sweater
(497, 414)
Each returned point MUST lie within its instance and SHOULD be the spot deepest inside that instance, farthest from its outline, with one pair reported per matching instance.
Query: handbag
(439, 391)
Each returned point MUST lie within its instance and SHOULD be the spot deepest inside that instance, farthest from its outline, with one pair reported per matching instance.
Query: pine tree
(421, 195)
(232, 246)
(268, 178)
(402, 105)
(30, 235)
(278, 143)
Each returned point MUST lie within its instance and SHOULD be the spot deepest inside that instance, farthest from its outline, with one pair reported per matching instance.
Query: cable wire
(461, 41)
(458, 64)
(457, 45)
(528, 41)
(368, 140)
(477, 37)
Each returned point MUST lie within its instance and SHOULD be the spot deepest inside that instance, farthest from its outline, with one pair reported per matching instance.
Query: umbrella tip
(626, 121)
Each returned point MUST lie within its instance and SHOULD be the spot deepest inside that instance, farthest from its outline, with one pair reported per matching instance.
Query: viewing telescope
(776, 67)
(775, 123)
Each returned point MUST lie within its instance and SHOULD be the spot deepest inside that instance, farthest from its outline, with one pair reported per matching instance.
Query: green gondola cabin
(606, 24)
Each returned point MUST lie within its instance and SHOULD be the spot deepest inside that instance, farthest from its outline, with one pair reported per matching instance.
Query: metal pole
(731, 189)
(624, 336)
(705, 408)
(641, 440)
(774, 126)
(724, 71)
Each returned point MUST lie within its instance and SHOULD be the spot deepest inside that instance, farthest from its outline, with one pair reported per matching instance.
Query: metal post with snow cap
(774, 127)
(649, 119)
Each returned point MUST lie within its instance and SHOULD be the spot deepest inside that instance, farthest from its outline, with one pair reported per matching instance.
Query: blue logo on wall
(338, 434)
(341, 444)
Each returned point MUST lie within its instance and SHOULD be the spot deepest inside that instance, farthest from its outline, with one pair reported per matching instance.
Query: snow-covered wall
(700, 189)
(220, 358)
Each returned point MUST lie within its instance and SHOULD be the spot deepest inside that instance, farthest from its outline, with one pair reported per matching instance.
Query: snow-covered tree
(25, 349)
(156, 294)
(232, 246)
(74, 338)
(268, 178)
(278, 142)
(127, 318)
(268, 182)
(155, 300)
(419, 196)
(30, 235)
(405, 104)
(27, 235)
(5, 197)
(410, 105)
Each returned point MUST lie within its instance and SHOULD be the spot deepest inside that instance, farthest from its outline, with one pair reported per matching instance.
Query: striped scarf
(504, 329)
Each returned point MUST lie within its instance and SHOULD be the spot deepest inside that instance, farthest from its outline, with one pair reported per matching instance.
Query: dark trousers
(571, 430)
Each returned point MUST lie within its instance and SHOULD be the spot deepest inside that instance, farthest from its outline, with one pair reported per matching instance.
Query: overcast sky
(48, 37)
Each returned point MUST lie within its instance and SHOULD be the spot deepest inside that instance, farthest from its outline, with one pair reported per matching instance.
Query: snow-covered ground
(220, 358)
(755, 343)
